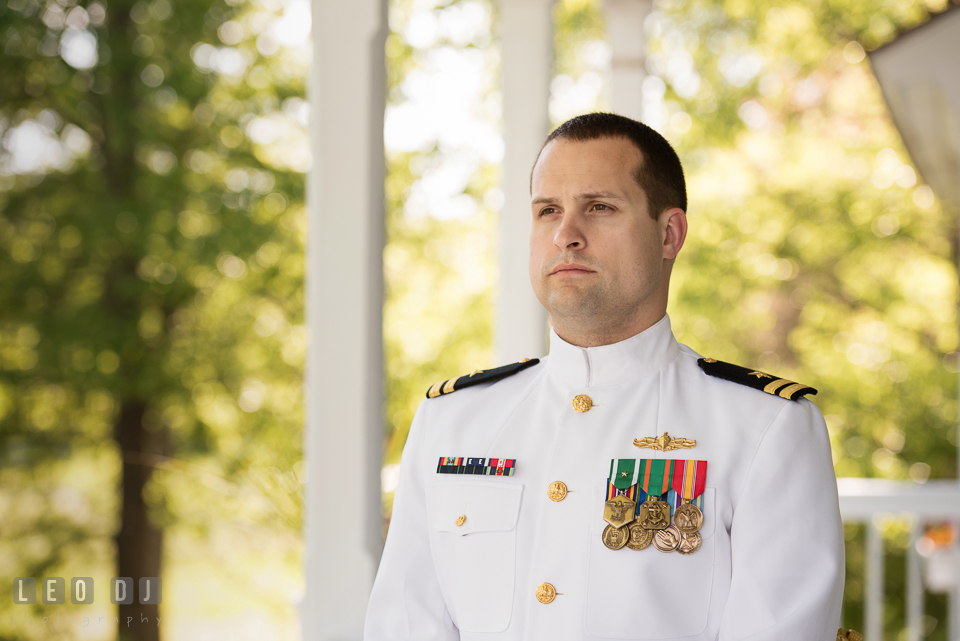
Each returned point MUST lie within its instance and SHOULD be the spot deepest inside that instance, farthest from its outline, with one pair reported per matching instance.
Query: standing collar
(633, 358)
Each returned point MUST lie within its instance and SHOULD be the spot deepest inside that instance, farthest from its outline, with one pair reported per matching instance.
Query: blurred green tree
(151, 225)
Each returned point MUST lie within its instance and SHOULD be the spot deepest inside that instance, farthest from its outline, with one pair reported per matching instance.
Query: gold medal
(615, 538)
(667, 540)
(688, 518)
(654, 514)
(689, 543)
(619, 511)
(639, 538)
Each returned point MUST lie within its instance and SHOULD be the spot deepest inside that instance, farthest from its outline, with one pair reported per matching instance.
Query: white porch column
(628, 43)
(344, 285)
(527, 68)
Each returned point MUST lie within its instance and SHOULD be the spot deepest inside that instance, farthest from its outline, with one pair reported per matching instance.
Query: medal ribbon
(623, 472)
(623, 478)
(689, 479)
(630, 492)
(655, 476)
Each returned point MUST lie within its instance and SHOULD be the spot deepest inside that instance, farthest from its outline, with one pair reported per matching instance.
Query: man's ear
(673, 230)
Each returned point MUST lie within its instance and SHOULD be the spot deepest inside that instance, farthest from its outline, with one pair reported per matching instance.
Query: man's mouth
(569, 269)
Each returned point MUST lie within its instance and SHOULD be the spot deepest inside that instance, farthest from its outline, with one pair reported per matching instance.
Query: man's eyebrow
(543, 200)
(594, 195)
(608, 195)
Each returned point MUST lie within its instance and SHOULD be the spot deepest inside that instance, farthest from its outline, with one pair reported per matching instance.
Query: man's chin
(572, 302)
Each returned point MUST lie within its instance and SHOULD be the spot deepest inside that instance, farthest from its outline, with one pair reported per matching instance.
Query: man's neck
(595, 334)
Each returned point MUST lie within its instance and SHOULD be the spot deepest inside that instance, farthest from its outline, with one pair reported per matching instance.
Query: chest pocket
(624, 587)
(477, 558)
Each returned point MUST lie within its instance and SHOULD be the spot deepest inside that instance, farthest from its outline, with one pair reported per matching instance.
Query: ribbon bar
(476, 466)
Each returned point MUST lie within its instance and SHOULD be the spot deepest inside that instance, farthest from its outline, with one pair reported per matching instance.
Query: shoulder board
(478, 377)
(757, 380)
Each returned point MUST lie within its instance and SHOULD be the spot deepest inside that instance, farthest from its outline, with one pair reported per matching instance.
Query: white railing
(869, 500)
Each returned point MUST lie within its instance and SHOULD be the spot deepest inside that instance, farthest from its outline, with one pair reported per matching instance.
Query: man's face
(598, 260)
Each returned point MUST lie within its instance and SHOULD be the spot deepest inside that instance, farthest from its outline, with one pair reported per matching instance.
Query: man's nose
(570, 234)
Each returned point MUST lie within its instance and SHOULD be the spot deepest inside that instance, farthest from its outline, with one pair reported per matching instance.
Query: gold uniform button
(461, 519)
(557, 491)
(546, 593)
(582, 403)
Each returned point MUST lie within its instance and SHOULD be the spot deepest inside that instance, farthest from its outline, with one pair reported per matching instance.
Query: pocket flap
(485, 507)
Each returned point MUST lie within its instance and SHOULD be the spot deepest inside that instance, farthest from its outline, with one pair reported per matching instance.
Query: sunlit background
(152, 229)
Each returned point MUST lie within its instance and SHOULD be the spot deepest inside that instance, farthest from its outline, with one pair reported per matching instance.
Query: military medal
(689, 543)
(654, 514)
(655, 476)
(688, 518)
(668, 485)
(619, 511)
(667, 540)
(689, 481)
(621, 505)
(615, 537)
(620, 508)
(639, 538)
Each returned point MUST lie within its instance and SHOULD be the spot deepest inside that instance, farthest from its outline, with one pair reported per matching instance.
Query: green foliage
(155, 258)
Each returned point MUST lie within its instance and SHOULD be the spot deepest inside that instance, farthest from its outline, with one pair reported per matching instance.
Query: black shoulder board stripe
(478, 377)
(757, 380)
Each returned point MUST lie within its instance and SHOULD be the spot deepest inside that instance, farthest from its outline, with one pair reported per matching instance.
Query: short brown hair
(659, 173)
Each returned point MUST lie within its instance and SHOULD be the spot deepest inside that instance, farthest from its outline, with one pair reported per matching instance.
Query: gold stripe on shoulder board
(448, 387)
(772, 388)
(434, 390)
(788, 391)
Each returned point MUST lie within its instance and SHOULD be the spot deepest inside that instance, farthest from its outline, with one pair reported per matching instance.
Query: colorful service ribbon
(623, 472)
(630, 492)
(689, 482)
(655, 476)
(478, 466)
(622, 478)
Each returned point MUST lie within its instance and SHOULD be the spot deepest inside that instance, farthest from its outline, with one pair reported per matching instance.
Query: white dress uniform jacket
(771, 563)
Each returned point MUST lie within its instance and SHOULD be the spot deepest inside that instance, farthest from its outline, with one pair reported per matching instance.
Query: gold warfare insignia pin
(665, 443)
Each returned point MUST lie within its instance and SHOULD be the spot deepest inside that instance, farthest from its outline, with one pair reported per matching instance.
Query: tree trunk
(139, 543)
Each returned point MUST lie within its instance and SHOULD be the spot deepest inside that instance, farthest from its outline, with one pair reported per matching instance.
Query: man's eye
(601, 206)
(548, 210)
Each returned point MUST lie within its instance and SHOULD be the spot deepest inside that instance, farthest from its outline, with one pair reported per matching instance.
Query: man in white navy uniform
(500, 525)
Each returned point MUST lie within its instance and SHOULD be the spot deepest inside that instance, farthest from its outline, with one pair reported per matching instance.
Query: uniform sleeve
(406, 601)
(787, 537)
